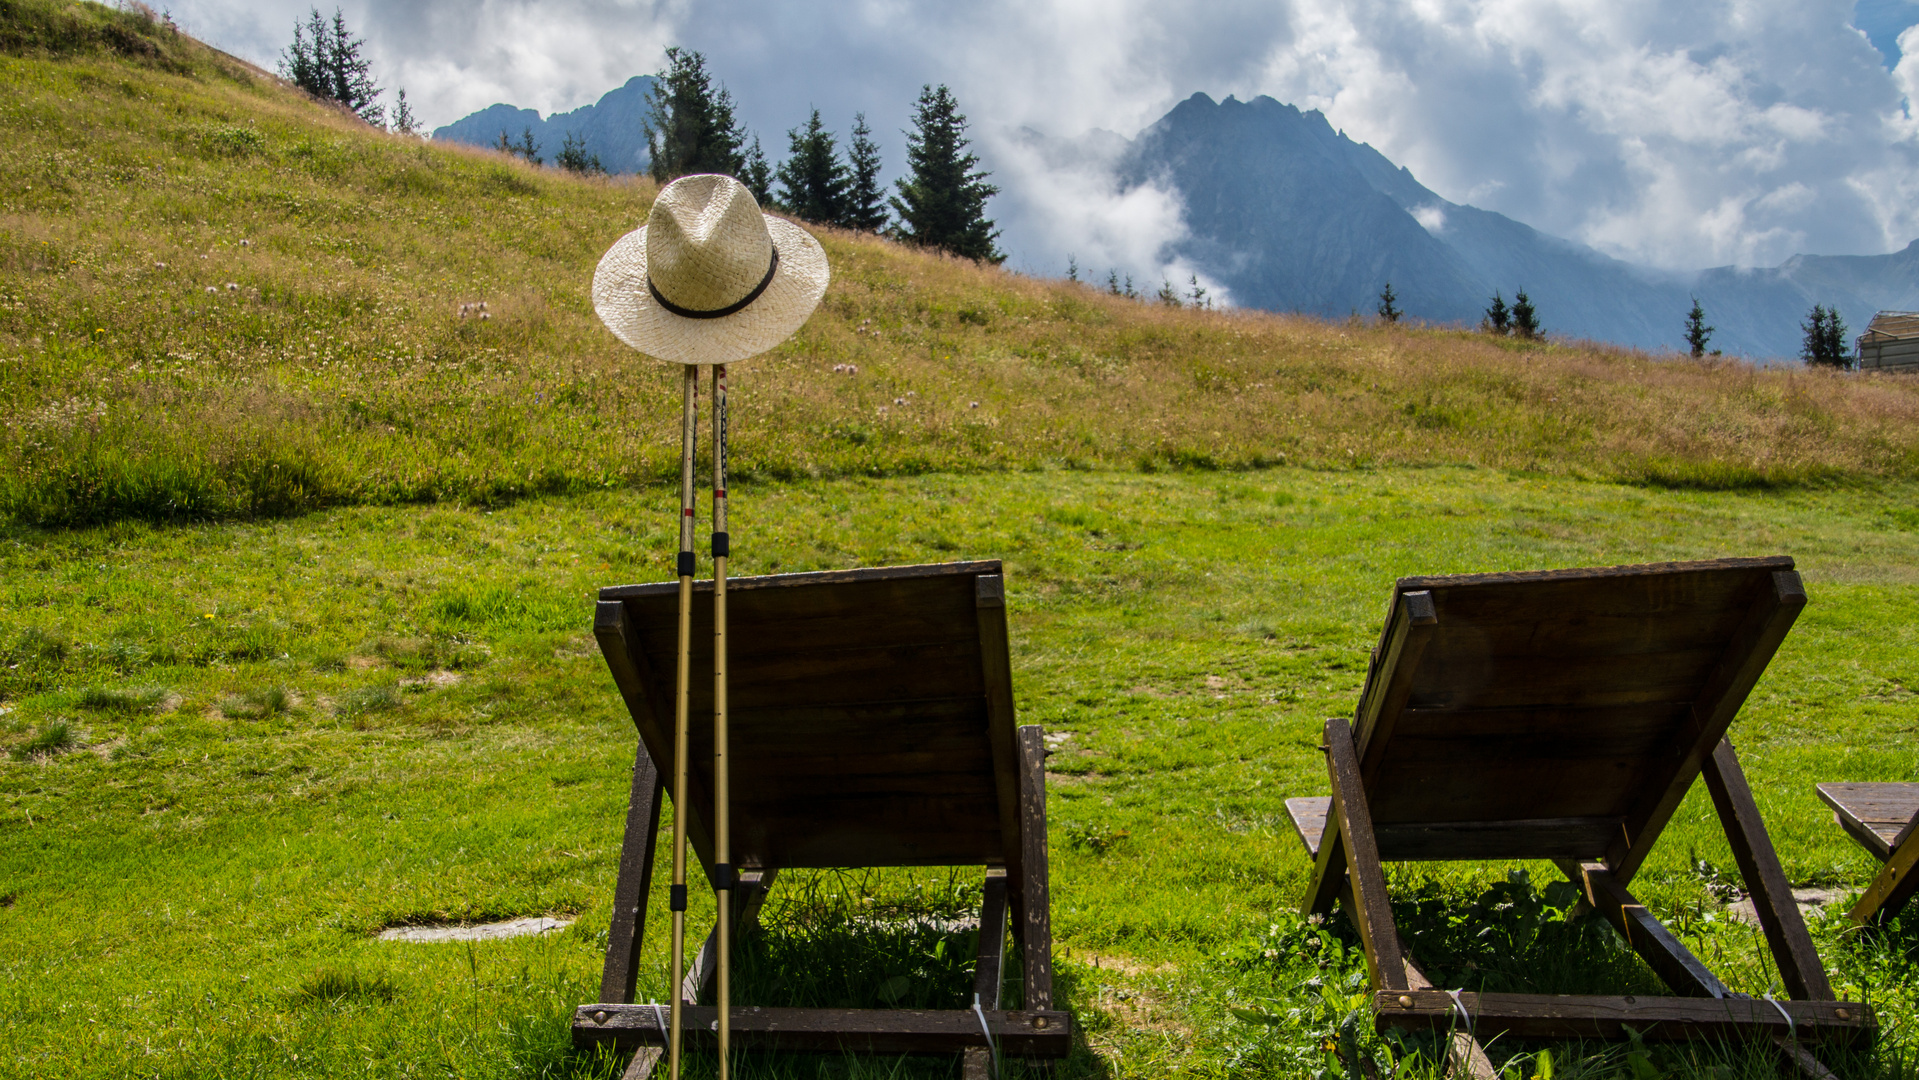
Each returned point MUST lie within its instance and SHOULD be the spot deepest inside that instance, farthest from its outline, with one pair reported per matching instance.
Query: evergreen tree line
(691, 128)
(324, 60)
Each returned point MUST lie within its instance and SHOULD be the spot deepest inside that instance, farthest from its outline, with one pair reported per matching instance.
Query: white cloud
(1681, 135)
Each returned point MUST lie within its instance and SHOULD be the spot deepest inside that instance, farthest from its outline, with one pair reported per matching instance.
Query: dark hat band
(717, 313)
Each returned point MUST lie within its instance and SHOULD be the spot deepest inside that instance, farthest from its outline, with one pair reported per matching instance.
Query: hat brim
(628, 308)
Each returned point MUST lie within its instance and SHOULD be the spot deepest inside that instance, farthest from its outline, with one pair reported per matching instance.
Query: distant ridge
(1291, 215)
(613, 127)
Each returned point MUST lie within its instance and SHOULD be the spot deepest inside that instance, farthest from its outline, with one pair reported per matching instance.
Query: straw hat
(709, 279)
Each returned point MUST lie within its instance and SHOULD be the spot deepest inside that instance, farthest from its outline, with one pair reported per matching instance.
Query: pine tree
(1386, 309)
(404, 122)
(690, 126)
(943, 203)
(528, 149)
(1838, 353)
(865, 199)
(1825, 341)
(325, 61)
(574, 158)
(1112, 282)
(1813, 347)
(1525, 319)
(1697, 332)
(1167, 294)
(813, 179)
(1498, 320)
(756, 174)
(1196, 293)
(1072, 268)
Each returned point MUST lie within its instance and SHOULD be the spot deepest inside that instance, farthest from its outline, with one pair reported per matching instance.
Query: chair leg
(1372, 911)
(1036, 943)
(1799, 965)
(1894, 885)
(642, 1063)
(628, 931)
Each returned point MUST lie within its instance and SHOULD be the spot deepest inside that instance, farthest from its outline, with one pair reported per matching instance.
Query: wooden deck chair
(1562, 715)
(872, 725)
(1882, 818)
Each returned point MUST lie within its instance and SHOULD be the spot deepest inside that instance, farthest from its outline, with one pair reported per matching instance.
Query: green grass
(195, 892)
(297, 563)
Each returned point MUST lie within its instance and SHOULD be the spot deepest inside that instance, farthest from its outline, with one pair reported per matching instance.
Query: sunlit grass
(453, 751)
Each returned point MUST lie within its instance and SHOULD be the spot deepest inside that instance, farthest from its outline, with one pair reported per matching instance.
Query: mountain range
(1290, 215)
(612, 128)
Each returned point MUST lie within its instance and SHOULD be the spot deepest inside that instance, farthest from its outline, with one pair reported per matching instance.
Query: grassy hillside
(221, 299)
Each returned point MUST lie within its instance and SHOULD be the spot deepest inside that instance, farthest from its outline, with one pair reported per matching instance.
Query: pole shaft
(689, 437)
(722, 816)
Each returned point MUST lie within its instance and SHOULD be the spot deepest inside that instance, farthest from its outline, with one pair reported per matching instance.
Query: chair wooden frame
(872, 725)
(1883, 819)
(1563, 715)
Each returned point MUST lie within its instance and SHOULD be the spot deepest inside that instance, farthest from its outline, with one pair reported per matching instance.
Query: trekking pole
(722, 823)
(689, 425)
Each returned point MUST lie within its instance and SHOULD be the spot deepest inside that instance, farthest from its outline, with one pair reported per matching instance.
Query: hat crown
(707, 246)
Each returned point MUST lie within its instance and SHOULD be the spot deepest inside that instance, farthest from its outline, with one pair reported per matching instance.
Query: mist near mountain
(1290, 215)
(612, 128)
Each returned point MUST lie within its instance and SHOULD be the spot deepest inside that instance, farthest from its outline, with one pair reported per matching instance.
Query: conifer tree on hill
(1825, 342)
(1498, 320)
(1388, 310)
(943, 203)
(865, 200)
(690, 127)
(1525, 318)
(1697, 332)
(813, 180)
(756, 174)
(325, 61)
(574, 158)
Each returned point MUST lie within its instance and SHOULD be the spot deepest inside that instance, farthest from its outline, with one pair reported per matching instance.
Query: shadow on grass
(845, 940)
(1304, 1006)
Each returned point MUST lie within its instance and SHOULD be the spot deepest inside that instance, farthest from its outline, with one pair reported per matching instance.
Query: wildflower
(974, 405)
(233, 286)
(159, 266)
(211, 289)
(246, 243)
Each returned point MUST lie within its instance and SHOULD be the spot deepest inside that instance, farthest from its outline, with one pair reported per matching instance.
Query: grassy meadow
(237, 750)
(297, 563)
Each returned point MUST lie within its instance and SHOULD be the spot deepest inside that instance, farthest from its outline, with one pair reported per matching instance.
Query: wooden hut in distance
(1891, 342)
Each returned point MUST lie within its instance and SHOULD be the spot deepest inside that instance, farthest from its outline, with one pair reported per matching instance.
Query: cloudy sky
(1680, 135)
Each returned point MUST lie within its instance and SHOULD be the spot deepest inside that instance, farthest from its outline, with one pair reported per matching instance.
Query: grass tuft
(340, 986)
(54, 737)
(36, 645)
(255, 704)
(381, 697)
(132, 699)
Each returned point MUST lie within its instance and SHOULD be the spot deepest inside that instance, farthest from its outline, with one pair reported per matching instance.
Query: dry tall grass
(219, 298)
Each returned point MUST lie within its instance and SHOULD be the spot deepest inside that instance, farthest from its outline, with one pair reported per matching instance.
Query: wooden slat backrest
(1558, 714)
(862, 728)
